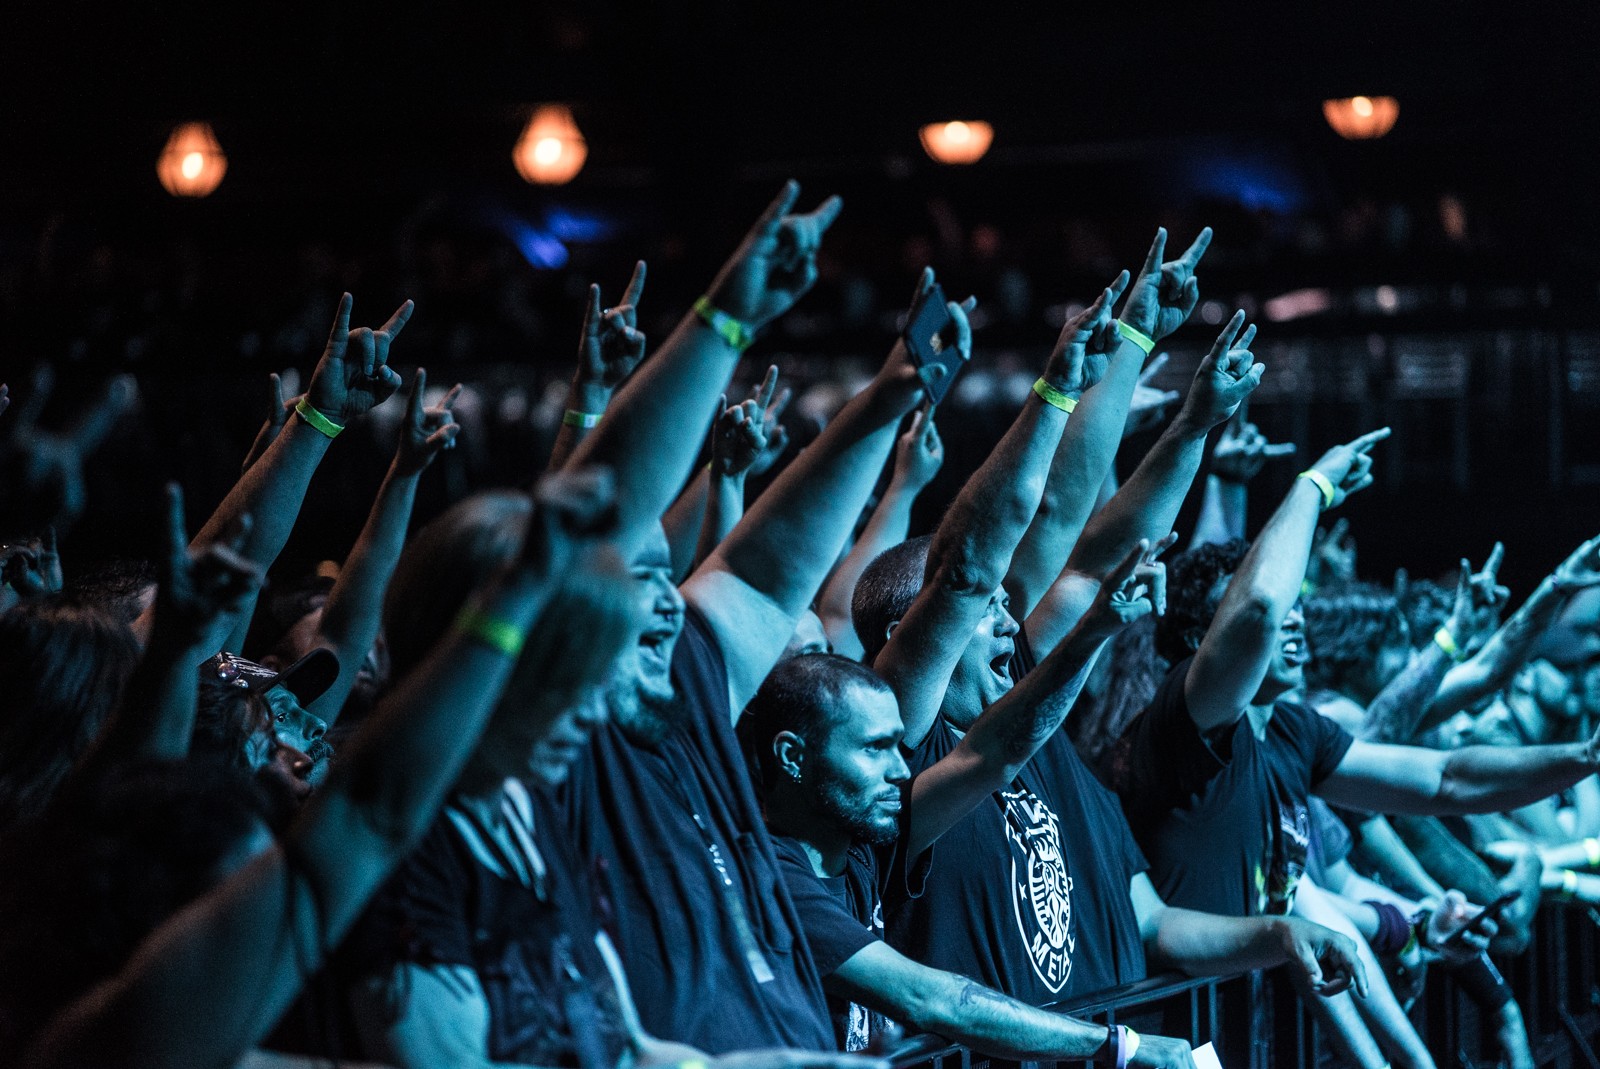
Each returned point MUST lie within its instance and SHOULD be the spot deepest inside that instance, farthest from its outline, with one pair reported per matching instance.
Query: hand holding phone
(1491, 912)
(930, 337)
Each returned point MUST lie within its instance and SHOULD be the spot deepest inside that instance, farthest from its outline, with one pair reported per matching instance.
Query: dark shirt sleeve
(420, 916)
(1162, 759)
(1327, 743)
(835, 936)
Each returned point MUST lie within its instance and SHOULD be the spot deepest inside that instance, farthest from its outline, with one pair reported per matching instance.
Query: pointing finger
(419, 383)
(635, 290)
(1158, 249)
(1192, 254)
(341, 324)
(1370, 439)
(398, 321)
(766, 227)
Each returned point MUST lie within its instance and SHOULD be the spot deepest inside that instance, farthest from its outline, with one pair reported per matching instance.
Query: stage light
(957, 142)
(551, 150)
(192, 163)
(1359, 118)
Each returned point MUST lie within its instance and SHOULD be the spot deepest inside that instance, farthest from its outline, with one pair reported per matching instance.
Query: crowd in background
(705, 745)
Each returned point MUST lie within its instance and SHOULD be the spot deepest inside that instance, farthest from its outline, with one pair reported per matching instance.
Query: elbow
(963, 574)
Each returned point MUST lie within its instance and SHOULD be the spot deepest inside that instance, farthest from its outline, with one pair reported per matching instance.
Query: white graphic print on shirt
(1041, 890)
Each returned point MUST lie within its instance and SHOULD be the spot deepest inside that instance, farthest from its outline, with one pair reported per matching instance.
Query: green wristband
(1054, 397)
(1447, 642)
(317, 419)
(1321, 482)
(573, 418)
(498, 635)
(1137, 336)
(736, 333)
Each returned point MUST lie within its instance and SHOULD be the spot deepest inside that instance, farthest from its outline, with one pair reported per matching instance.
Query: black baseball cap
(306, 678)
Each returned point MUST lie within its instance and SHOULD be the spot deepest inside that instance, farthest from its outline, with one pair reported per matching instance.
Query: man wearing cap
(275, 731)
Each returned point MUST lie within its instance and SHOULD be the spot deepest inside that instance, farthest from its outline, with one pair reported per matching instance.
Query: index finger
(1278, 449)
(419, 382)
(767, 225)
(450, 398)
(780, 403)
(341, 321)
(1158, 249)
(1496, 555)
(1370, 439)
(177, 536)
(763, 393)
(826, 212)
(1192, 254)
(1129, 564)
(397, 322)
(630, 296)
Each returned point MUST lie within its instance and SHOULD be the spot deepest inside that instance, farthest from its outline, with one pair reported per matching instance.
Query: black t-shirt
(1331, 841)
(843, 915)
(1224, 834)
(1029, 893)
(709, 937)
(549, 995)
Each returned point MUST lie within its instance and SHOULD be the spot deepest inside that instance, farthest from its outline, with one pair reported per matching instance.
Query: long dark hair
(62, 672)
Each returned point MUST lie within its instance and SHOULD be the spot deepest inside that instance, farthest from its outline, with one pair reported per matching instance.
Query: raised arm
(352, 377)
(1492, 667)
(199, 594)
(1403, 708)
(972, 548)
(738, 439)
(354, 612)
(1160, 299)
(610, 346)
(918, 455)
(1232, 658)
(1008, 734)
(1379, 778)
(643, 437)
(1147, 505)
(753, 588)
(1239, 455)
(213, 978)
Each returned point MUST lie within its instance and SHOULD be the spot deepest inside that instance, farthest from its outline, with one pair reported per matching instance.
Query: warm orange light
(957, 142)
(1357, 118)
(192, 163)
(551, 150)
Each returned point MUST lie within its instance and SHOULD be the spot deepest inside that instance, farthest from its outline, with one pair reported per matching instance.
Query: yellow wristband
(1569, 883)
(1138, 337)
(573, 418)
(498, 635)
(1321, 482)
(1592, 848)
(317, 419)
(1447, 642)
(1132, 1045)
(690, 1063)
(1054, 397)
(736, 333)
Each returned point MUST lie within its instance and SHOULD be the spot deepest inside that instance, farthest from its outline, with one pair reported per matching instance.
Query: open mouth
(1000, 665)
(1295, 653)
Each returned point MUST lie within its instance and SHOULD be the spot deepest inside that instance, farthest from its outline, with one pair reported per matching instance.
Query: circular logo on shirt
(1041, 890)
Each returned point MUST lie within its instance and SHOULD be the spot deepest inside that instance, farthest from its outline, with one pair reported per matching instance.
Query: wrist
(1326, 493)
(587, 395)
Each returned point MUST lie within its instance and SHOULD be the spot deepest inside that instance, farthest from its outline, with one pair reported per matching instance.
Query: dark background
(369, 144)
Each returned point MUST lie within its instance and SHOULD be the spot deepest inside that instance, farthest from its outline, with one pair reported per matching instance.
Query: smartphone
(1490, 912)
(930, 336)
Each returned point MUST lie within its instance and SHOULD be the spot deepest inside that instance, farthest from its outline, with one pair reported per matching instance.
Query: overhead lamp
(192, 163)
(957, 142)
(551, 150)
(1361, 118)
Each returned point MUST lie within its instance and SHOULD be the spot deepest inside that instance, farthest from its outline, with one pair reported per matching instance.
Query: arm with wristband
(1231, 660)
(353, 615)
(1492, 667)
(212, 979)
(755, 585)
(972, 547)
(643, 437)
(352, 377)
(1159, 300)
(1147, 505)
(610, 346)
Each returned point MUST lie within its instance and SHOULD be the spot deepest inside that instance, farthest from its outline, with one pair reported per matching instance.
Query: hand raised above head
(1348, 467)
(199, 586)
(611, 344)
(1137, 588)
(426, 431)
(572, 509)
(354, 375)
(1242, 451)
(919, 452)
(776, 263)
(1086, 343)
(1226, 376)
(1164, 294)
(739, 437)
